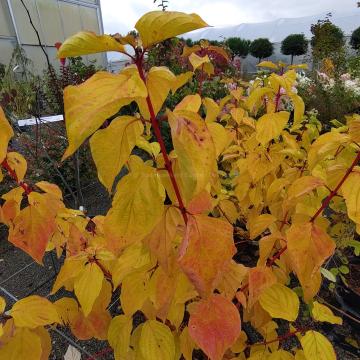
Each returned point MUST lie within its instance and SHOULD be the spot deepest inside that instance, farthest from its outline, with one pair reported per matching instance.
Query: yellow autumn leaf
(351, 192)
(137, 205)
(280, 302)
(111, 147)
(87, 42)
(198, 61)
(157, 26)
(34, 311)
(69, 271)
(212, 110)
(189, 103)
(259, 224)
(219, 136)
(281, 355)
(187, 344)
(6, 133)
(195, 150)
(256, 96)
(88, 105)
(317, 347)
(299, 107)
(17, 163)
(159, 82)
(270, 126)
(134, 257)
(90, 274)
(2, 304)
(268, 64)
(304, 185)
(156, 341)
(119, 335)
(321, 312)
(25, 344)
(50, 189)
(181, 80)
(354, 128)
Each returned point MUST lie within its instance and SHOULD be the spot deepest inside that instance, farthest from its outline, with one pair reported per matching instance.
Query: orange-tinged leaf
(304, 185)
(25, 344)
(156, 341)
(280, 302)
(195, 150)
(270, 126)
(17, 163)
(206, 250)
(198, 61)
(161, 240)
(321, 312)
(45, 342)
(87, 286)
(6, 133)
(87, 42)
(317, 347)
(308, 246)
(88, 105)
(112, 146)
(35, 224)
(214, 325)
(260, 278)
(119, 335)
(34, 311)
(157, 26)
(137, 206)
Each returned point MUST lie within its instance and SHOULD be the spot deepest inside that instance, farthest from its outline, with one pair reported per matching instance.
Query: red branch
(13, 175)
(155, 125)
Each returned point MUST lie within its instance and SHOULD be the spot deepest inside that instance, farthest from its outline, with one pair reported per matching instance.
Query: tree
(239, 47)
(355, 39)
(261, 48)
(294, 45)
(327, 42)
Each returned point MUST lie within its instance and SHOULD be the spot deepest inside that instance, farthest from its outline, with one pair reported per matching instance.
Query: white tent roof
(277, 30)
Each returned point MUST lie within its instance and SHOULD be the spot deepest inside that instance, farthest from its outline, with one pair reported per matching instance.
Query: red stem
(155, 125)
(13, 175)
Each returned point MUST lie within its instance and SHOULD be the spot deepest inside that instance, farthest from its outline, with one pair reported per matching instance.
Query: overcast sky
(121, 15)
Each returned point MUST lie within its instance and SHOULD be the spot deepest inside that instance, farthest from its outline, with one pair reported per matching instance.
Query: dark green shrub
(261, 48)
(355, 39)
(294, 45)
(239, 47)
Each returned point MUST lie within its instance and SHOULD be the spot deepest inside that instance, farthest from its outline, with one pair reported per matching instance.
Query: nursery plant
(172, 240)
(261, 48)
(294, 45)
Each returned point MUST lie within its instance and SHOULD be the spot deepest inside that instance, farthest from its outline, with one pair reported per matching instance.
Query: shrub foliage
(241, 169)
